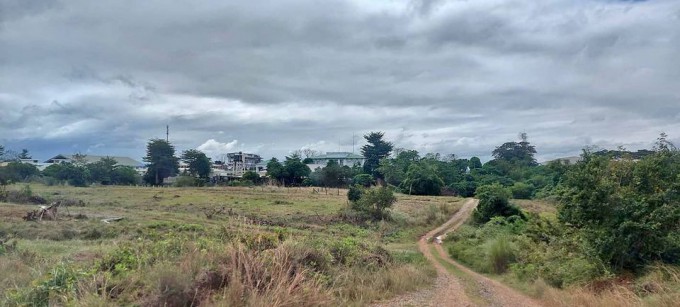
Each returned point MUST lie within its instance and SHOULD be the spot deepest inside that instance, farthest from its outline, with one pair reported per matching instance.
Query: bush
(186, 181)
(354, 193)
(364, 180)
(493, 201)
(251, 176)
(501, 255)
(521, 190)
(374, 203)
(422, 180)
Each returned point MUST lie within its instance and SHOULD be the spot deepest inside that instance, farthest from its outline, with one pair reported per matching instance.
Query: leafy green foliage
(17, 172)
(275, 169)
(75, 175)
(518, 153)
(422, 179)
(354, 193)
(252, 177)
(374, 203)
(199, 164)
(493, 201)
(364, 180)
(376, 150)
(294, 170)
(522, 190)
(161, 161)
(628, 211)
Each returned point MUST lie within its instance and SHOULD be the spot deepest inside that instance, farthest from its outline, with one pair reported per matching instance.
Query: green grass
(170, 228)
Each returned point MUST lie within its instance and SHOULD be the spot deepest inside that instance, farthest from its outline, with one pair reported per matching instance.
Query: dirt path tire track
(448, 289)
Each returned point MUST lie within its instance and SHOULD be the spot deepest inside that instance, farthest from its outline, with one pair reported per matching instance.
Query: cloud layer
(437, 76)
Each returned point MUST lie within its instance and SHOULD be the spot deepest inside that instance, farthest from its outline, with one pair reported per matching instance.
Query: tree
(493, 201)
(364, 180)
(102, 171)
(2, 153)
(516, 153)
(627, 211)
(24, 154)
(251, 176)
(394, 169)
(124, 175)
(161, 161)
(376, 150)
(275, 170)
(294, 170)
(75, 175)
(199, 164)
(422, 179)
(374, 203)
(475, 163)
(332, 175)
(17, 171)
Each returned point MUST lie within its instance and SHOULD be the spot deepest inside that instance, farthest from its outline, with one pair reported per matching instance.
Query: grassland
(246, 246)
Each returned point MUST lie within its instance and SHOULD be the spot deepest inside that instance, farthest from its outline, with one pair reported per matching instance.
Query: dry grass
(536, 205)
(231, 272)
(659, 287)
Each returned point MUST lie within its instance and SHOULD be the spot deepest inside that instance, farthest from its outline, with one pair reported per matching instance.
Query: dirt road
(472, 289)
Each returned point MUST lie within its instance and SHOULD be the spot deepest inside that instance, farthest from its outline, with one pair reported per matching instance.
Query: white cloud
(214, 148)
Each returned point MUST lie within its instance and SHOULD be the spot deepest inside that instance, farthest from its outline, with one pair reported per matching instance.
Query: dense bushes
(493, 201)
(372, 203)
(627, 211)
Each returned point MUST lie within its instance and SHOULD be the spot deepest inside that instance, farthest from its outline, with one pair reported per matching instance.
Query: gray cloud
(448, 76)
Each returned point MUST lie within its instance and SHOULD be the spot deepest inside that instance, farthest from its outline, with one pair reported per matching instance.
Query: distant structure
(343, 158)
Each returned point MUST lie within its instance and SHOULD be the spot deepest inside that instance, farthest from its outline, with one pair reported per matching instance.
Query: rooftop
(338, 155)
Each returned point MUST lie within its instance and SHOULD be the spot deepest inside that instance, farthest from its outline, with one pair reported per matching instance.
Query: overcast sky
(103, 77)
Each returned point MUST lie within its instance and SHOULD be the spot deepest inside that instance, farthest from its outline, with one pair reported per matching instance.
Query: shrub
(493, 201)
(501, 255)
(186, 181)
(364, 180)
(521, 190)
(354, 193)
(375, 202)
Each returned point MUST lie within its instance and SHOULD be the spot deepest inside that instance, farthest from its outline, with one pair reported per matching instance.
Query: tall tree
(2, 153)
(516, 153)
(102, 170)
(275, 170)
(374, 151)
(475, 163)
(24, 154)
(294, 170)
(161, 161)
(199, 164)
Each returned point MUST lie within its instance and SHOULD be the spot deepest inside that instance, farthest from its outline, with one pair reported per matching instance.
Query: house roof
(125, 161)
(338, 155)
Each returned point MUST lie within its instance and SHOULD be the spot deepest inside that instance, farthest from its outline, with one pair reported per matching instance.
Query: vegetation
(372, 203)
(289, 245)
(615, 226)
(199, 165)
(162, 163)
(374, 151)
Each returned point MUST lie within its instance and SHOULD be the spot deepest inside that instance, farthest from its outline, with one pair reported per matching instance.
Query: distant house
(343, 158)
(87, 159)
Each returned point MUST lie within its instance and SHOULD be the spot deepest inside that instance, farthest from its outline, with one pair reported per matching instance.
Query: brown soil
(448, 289)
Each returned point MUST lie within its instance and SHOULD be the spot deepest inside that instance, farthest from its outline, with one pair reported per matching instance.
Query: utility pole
(352, 142)
(167, 133)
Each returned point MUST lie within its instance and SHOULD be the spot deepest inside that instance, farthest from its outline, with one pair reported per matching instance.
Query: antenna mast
(352, 142)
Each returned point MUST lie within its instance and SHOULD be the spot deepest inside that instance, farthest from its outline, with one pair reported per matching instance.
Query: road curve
(448, 289)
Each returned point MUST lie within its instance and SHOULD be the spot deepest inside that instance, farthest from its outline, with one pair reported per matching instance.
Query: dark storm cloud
(274, 76)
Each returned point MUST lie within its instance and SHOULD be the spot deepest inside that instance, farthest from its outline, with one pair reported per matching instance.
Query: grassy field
(210, 246)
